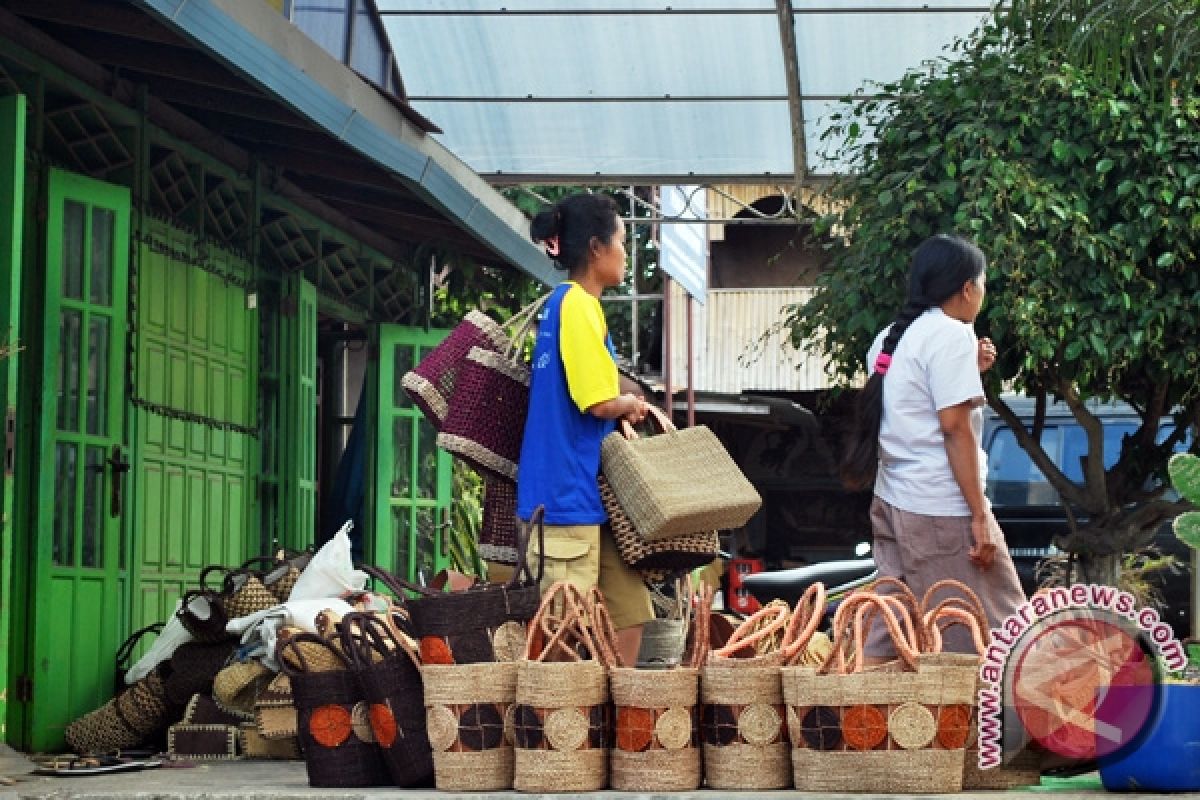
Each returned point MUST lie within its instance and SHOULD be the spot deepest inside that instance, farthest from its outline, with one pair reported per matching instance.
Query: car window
(1012, 478)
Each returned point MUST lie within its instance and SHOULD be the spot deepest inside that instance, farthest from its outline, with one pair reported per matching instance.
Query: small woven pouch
(203, 742)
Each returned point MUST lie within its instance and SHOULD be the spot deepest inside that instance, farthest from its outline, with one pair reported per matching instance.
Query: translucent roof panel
(684, 90)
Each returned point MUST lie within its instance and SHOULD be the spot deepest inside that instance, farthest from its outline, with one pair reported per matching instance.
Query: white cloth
(172, 635)
(935, 366)
(260, 630)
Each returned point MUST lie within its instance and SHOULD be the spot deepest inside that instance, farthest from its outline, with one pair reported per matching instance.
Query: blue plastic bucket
(1166, 756)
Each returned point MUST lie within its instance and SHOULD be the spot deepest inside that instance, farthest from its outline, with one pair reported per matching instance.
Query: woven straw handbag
(562, 716)
(431, 383)
(333, 721)
(243, 591)
(484, 622)
(144, 706)
(498, 534)
(389, 675)
(962, 608)
(674, 553)
(742, 715)
(678, 482)
(657, 742)
(469, 721)
(899, 727)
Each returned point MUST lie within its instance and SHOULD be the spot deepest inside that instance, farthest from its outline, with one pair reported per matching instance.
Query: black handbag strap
(524, 532)
(293, 643)
(397, 585)
(211, 568)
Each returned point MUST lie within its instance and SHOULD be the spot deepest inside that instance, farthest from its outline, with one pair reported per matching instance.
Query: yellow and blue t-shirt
(573, 369)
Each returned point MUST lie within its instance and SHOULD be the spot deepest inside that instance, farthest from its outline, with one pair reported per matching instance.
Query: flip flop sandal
(94, 765)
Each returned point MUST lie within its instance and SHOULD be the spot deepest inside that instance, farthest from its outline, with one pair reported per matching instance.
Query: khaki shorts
(586, 556)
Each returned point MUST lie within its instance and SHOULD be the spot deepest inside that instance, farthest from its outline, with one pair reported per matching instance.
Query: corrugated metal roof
(657, 92)
(738, 344)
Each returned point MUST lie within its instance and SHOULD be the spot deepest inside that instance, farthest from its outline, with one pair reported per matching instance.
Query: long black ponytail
(940, 266)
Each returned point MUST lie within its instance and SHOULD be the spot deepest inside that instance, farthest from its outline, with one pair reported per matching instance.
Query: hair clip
(882, 362)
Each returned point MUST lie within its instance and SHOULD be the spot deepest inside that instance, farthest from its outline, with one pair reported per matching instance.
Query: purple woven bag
(498, 536)
(487, 419)
(431, 383)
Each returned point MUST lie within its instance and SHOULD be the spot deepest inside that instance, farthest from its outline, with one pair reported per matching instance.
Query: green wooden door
(298, 422)
(195, 415)
(76, 608)
(12, 200)
(411, 482)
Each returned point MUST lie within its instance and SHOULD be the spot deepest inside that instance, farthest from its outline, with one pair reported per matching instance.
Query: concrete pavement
(284, 780)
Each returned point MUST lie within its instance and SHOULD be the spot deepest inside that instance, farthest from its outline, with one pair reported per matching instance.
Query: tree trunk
(1098, 569)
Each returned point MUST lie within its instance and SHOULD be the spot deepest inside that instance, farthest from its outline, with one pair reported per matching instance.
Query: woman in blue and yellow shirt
(574, 401)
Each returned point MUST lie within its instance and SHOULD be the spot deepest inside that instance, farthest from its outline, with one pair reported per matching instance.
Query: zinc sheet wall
(739, 344)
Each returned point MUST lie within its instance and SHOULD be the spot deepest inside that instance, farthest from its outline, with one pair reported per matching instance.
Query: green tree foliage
(1085, 194)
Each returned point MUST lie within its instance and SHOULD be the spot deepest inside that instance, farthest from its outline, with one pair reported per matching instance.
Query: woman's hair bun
(545, 224)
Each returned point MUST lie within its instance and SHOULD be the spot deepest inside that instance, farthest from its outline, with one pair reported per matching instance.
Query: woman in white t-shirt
(917, 440)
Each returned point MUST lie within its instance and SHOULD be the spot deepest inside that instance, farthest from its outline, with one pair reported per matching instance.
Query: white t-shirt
(935, 366)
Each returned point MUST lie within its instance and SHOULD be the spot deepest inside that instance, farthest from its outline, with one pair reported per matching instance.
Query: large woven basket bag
(333, 721)
(898, 727)
(959, 606)
(469, 721)
(485, 622)
(742, 716)
(562, 716)
(388, 672)
(678, 482)
(430, 384)
(657, 743)
(486, 418)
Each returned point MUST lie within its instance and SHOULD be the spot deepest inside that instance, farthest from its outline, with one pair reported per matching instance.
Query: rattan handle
(606, 651)
(520, 323)
(759, 626)
(848, 625)
(965, 599)
(701, 632)
(905, 595)
(806, 618)
(556, 623)
(949, 613)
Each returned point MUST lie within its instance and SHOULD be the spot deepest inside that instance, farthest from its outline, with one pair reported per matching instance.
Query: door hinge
(24, 689)
(10, 440)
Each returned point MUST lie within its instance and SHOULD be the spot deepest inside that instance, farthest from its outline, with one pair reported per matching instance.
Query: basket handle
(364, 633)
(398, 586)
(947, 614)
(524, 532)
(701, 620)
(850, 624)
(758, 627)
(204, 573)
(658, 419)
(966, 600)
(605, 647)
(293, 643)
(520, 324)
(558, 623)
(904, 594)
(806, 618)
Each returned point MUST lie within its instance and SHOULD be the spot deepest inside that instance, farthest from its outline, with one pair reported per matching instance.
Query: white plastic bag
(169, 638)
(331, 571)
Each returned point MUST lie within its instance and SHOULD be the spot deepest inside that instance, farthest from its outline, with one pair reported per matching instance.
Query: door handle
(119, 467)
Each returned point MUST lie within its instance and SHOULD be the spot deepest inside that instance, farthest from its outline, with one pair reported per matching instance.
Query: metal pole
(666, 356)
(691, 383)
(633, 259)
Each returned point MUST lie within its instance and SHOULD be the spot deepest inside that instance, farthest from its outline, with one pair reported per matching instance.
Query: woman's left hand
(986, 354)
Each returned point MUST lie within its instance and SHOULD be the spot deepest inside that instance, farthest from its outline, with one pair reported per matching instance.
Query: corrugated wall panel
(739, 345)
